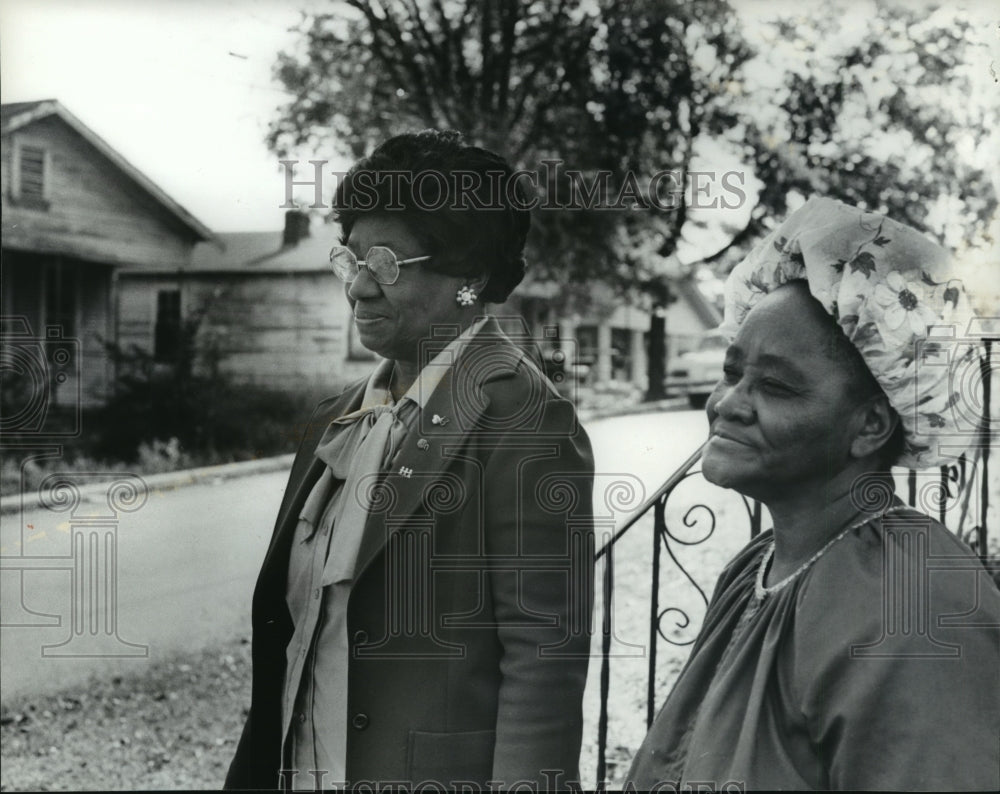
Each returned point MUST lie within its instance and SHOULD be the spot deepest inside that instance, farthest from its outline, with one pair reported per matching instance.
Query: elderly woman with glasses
(423, 611)
(857, 644)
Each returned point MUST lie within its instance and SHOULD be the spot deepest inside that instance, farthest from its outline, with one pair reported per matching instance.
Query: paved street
(187, 560)
(186, 565)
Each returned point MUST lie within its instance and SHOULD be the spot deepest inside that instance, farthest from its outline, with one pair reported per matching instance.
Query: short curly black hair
(462, 202)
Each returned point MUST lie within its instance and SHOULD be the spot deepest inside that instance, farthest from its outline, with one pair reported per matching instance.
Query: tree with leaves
(893, 110)
(603, 88)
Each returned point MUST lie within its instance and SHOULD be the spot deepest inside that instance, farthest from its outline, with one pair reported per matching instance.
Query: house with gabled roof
(270, 312)
(94, 252)
(76, 214)
(274, 315)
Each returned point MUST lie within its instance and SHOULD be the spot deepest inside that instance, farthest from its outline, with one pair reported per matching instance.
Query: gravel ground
(175, 727)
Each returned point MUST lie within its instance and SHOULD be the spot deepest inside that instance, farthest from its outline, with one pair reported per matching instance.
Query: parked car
(696, 372)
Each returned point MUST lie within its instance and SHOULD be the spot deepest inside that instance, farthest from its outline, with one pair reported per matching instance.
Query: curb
(166, 481)
(669, 404)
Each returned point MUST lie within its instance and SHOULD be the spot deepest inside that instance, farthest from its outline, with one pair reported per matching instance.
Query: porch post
(638, 358)
(604, 352)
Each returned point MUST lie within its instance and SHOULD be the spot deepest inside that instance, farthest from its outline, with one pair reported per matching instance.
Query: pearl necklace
(761, 592)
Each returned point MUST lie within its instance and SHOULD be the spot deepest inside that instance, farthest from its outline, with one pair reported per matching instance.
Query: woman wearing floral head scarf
(857, 644)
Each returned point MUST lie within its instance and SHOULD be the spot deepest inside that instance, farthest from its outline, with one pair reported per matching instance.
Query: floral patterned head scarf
(891, 291)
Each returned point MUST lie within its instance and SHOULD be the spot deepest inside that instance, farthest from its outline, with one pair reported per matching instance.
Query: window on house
(32, 172)
(31, 175)
(586, 344)
(167, 335)
(621, 353)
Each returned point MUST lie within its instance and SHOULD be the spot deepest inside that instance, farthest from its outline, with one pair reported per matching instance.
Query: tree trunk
(657, 355)
(659, 291)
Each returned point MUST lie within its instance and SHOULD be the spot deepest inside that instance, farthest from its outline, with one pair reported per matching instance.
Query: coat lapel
(429, 449)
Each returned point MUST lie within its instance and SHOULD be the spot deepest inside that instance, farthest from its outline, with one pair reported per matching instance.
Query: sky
(184, 91)
(181, 89)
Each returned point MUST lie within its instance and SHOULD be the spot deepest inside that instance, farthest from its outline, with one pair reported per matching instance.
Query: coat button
(360, 637)
(301, 718)
(359, 721)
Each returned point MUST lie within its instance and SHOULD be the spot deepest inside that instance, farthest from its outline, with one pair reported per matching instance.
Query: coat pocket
(450, 757)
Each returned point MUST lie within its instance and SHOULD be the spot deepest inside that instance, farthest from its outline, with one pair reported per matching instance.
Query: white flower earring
(466, 296)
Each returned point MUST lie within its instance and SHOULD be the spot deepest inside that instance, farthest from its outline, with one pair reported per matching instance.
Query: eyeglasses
(381, 263)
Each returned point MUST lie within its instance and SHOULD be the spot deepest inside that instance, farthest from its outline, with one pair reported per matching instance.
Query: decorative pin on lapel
(439, 420)
(423, 445)
(406, 471)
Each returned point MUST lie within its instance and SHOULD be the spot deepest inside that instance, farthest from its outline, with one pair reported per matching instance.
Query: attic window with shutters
(31, 176)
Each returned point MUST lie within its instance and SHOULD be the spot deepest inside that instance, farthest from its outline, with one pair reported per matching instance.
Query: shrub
(206, 418)
(189, 412)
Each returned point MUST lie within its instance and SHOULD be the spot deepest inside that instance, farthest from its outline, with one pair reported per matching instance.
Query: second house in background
(270, 315)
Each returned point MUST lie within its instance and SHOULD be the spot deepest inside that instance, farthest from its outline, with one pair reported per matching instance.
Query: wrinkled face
(392, 319)
(781, 419)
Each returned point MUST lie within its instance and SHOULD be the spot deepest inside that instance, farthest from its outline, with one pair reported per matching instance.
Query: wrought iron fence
(952, 487)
